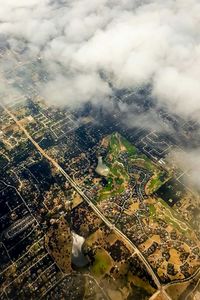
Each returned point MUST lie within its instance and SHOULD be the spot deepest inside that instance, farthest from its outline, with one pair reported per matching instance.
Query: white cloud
(133, 42)
(73, 90)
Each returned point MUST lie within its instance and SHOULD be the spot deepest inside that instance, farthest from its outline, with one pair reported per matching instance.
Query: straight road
(85, 197)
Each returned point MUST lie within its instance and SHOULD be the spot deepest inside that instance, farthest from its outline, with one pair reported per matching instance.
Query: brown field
(58, 242)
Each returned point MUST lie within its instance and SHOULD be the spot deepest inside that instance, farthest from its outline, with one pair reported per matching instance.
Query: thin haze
(133, 42)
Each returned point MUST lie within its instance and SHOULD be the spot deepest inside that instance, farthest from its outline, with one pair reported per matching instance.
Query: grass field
(159, 178)
(118, 177)
(102, 263)
(170, 216)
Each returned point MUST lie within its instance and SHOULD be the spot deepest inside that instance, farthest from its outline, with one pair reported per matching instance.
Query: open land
(140, 221)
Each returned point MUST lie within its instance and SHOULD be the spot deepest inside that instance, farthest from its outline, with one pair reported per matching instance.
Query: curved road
(86, 198)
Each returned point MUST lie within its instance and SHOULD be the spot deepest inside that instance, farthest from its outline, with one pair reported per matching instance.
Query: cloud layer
(83, 48)
(133, 43)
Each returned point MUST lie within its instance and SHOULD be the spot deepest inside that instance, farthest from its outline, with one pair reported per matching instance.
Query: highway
(86, 198)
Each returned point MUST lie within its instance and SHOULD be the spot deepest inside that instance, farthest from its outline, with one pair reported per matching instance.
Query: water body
(78, 258)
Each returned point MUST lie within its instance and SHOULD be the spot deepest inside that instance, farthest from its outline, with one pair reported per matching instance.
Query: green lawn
(102, 264)
(119, 176)
(114, 146)
(132, 150)
(152, 210)
(155, 183)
